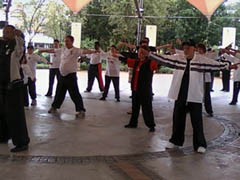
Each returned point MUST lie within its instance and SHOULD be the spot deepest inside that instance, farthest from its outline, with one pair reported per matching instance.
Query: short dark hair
(56, 40)
(97, 43)
(11, 26)
(146, 38)
(202, 46)
(30, 47)
(190, 42)
(114, 46)
(142, 41)
(70, 37)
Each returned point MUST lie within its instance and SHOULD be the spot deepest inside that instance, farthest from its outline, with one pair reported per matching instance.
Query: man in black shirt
(12, 116)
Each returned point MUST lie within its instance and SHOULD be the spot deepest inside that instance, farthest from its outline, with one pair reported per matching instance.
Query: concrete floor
(99, 147)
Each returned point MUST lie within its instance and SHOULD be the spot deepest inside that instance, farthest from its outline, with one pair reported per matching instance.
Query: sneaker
(34, 102)
(118, 100)
(152, 129)
(232, 103)
(210, 114)
(102, 99)
(80, 114)
(87, 91)
(130, 126)
(19, 148)
(201, 150)
(171, 145)
(3, 141)
(52, 110)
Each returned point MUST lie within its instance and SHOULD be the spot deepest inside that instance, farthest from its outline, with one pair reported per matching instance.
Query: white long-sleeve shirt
(113, 65)
(233, 59)
(69, 60)
(16, 57)
(198, 65)
(55, 59)
(95, 58)
(32, 60)
(27, 73)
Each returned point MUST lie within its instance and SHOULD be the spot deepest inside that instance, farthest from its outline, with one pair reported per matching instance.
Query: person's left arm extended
(41, 59)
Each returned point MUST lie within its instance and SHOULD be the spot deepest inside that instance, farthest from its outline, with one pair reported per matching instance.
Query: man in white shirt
(68, 77)
(54, 68)
(32, 60)
(95, 69)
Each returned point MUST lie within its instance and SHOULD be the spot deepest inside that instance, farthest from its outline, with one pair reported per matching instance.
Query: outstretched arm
(46, 50)
(129, 45)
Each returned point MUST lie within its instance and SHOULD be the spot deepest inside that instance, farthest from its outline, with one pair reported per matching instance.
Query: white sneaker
(201, 150)
(170, 146)
(52, 110)
(80, 114)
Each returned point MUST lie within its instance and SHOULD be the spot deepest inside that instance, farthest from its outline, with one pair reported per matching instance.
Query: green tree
(58, 22)
(33, 16)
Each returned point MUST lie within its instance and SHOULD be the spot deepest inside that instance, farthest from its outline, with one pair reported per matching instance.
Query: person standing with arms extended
(112, 72)
(187, 90)
(32, 60)
(95, 69)
(54, 67)
(68, 76)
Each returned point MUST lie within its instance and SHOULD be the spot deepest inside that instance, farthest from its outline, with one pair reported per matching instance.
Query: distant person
(112, 72)
(32, 60)
(54, 67)
(95, 69)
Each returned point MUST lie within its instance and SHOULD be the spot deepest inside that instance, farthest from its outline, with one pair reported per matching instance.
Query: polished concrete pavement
(99, 147)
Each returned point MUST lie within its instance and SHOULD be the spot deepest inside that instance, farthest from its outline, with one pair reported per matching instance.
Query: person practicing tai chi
(68, 76)
(32, 60)
(12, 116)
(112, 72)
(143, 68)
(95, 69)
(54, 67)
(201, 49)
(229, 55)
(187, 91)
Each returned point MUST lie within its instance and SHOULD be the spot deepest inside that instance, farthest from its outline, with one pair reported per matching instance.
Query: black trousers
(115, 81)
(226, 80)
(12, 116)
(179, 122)
(53, 72)
(207, 98)
(144, 100)
(236, 88)
(212, 80)
(32, 88)
(95, 71)
(68, 83)
(25, 95)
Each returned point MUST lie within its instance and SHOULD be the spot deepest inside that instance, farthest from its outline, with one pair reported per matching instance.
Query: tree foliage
(110, 21)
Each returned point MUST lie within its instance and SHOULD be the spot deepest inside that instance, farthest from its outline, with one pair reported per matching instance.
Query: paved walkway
(99, 147)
